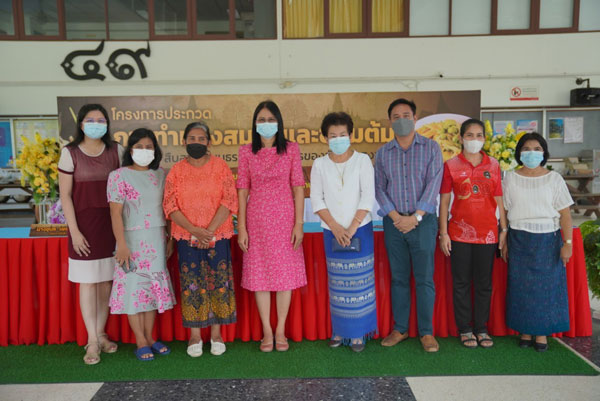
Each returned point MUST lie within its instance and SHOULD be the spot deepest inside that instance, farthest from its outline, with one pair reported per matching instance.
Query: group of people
(126, 216)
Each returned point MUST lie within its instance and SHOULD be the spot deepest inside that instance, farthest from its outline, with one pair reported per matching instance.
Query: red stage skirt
(39, 305)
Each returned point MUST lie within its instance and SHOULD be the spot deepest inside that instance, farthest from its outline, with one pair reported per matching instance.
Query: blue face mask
(94, 130)
(532, 159)
(339, 145)
(267, 130)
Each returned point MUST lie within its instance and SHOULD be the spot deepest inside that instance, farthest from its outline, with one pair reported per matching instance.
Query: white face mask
(142, 157)
(473, 146)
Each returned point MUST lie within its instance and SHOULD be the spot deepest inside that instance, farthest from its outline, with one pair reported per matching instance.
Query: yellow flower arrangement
(38, 162)
(502, 146)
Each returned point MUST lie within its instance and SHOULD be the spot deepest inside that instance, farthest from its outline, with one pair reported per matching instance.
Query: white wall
(31, 77)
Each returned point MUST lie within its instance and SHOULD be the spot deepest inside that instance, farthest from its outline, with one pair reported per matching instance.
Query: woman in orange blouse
(200, 197)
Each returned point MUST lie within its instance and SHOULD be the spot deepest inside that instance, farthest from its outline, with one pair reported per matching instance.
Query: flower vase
(41, 210)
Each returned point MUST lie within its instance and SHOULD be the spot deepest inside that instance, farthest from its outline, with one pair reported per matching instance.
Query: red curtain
(39, 305)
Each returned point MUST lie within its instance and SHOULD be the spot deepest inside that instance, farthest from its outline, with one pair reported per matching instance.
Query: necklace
(341, 175)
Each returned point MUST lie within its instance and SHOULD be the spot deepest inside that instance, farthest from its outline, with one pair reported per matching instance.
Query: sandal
(195, 350)
(107, 346)
(469, 338)
(484, 340)
(266, 346)
(282, 345)
(140, 352)
(158, 347)
(91, 358)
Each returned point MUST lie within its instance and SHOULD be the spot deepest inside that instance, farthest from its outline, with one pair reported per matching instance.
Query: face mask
(403, 126)
(142, 157)
(267, 130)
(472, 146)
(339, 145)
(532, 159)
(94, 130)
(196, 150)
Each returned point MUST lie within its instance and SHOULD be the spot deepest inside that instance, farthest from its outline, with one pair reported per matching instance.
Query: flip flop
(143, 351)
(157, 346)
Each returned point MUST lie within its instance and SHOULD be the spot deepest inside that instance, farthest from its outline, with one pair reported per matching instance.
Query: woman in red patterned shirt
(471, 237)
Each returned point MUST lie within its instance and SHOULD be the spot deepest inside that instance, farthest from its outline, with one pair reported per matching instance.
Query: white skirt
(91, 271)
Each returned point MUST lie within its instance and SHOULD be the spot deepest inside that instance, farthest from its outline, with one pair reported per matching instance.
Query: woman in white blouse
(342, 194)
(537, 201)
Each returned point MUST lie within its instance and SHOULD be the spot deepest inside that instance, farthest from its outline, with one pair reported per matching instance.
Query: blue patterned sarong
(536, 297)
(352, 288)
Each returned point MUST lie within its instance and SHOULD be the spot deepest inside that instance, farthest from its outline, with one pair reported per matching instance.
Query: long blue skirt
(352, 287)
(536, 299)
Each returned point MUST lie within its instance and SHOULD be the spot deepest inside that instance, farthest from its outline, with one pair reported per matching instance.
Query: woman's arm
(241, 220)
(178, 218)
(65, 185)
(445, 243)
(116, 216)
(218, 219)
(503, 222)
(298, 231)
(566, 226)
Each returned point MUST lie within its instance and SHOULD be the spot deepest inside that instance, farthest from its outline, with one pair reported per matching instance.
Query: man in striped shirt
(408, 175)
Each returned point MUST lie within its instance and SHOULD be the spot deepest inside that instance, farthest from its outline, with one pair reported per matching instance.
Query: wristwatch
(568, 241)
(419, 217)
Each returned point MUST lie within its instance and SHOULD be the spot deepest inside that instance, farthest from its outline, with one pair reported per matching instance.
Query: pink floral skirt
(146, 285)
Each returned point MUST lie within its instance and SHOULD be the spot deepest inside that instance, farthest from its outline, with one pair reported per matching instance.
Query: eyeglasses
(91, 120)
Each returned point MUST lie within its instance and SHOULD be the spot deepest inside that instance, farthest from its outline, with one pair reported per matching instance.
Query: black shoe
(526, 343)
(540, 347)
(335, 343)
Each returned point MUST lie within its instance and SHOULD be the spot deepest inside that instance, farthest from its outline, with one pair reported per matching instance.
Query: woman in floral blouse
(200, 197)
(141, 282)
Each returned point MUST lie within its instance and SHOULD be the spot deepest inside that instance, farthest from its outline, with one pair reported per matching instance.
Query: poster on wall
(556, 128)
(500, 126)
(527, 126)
(47, 128)
(573, 130)
(229, 118)
(5, 144)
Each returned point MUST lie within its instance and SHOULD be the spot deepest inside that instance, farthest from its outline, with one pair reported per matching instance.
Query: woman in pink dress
(270, 218)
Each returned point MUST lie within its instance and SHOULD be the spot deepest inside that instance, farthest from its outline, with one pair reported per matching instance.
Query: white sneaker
(195, 350)
(217, 348)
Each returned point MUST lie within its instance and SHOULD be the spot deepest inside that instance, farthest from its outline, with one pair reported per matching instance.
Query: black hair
(396, 102)
(533, 136)
(196, 124)
(135, 138)
(280, 141)
(336, 118)
(83, 111)
(468, 123)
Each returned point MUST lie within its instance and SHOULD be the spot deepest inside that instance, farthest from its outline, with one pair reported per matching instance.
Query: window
(513, 14)
(429, 17)
(344, 18)
(471, 17)
(556, 14)
(85, 19)
(212, 17)
(387, 16)
(170, 18)
(128, 19)
(7, 19)
(40, 18)
(255, 19)
(589, 12)
(304, 18)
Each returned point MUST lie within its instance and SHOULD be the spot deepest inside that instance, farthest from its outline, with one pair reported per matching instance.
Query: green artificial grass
(308, 359)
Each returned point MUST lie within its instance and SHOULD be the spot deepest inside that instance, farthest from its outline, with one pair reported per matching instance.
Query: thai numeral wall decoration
(91, 68)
